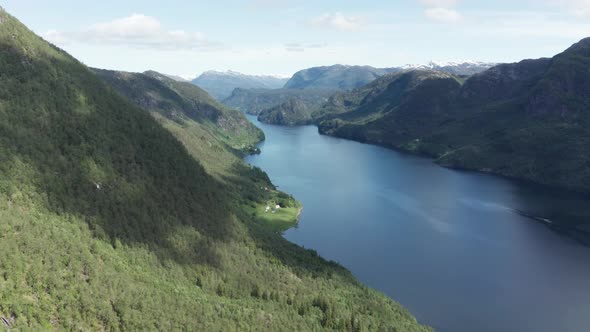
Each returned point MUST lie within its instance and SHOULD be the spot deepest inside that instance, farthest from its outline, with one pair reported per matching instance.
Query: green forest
(122, 215)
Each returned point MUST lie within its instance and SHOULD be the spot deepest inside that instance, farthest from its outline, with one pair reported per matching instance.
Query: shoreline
(579, 235)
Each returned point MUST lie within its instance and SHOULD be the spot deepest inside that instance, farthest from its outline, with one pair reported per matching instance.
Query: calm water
(448, 245)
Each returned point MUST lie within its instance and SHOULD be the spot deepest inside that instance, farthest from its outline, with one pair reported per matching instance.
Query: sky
(280, 37)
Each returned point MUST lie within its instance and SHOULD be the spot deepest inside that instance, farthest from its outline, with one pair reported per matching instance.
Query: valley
(294, 187)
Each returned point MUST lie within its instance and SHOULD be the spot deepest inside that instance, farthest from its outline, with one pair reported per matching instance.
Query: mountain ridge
(312, 81)
(109, 219)
(512, 103)
(221, 84)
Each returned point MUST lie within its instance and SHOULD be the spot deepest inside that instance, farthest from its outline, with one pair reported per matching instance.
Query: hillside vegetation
(255, 101)
(290, 113)
(185, 104)
(527, 120)
(113, 217)
(309, 89)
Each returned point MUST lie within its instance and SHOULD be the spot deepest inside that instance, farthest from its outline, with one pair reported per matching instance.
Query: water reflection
(458, 249)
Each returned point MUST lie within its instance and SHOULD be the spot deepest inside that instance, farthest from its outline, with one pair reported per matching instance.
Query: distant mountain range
(459, 68)
(308, 89)
(343, 77)
(338, 77)
(220, 84)
(528, 120)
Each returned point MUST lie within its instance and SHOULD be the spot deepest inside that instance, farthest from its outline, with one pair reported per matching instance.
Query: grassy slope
(160, 243)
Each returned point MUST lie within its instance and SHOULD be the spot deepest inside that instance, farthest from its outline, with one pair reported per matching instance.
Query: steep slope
(538, 130)
(180, 101)
(290, 113)
(393, 110)
(108, 223)
(527, 120)
(221, 84)
(254, 101)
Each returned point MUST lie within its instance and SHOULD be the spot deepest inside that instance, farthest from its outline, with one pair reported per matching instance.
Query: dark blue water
(448, 245)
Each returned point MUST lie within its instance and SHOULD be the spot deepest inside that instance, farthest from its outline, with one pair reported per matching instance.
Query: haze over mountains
(337, 77)
(220, 84)
(308, 89)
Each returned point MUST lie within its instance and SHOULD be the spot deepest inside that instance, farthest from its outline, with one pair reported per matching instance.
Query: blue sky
(282, 36)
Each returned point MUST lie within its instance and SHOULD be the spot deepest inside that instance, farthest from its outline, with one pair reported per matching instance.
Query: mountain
(341, 77)
(221, 84)
(307, 89)
(254, 101)
(526, 120)
(460, 68)
(338, 77)
(115, 217)
(176, 78)
(181, 101)
(290, 113)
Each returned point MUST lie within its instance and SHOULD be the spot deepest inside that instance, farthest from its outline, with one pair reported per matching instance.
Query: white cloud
(318, 45)
(438, 3)
(443, 15)
(136, 30)
(298, 47)
(56, 37)
(441, 10)
(338, 21)
(294, 47)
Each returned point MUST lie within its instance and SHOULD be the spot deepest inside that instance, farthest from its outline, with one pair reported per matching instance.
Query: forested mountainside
(290, 113)
(338, 78)
(529, 120)
(255, 101)
(109, 221)
(181, 102)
